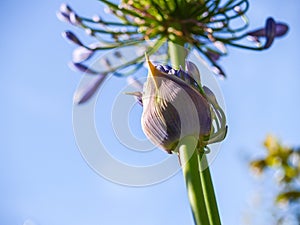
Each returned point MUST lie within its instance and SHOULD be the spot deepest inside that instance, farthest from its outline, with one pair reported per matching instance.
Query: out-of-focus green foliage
(286, 162)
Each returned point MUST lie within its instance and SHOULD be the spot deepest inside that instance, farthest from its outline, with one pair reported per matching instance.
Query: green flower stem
(177, 54)
(194, 163)
(188, 153)
(208, 190)
(188, 156)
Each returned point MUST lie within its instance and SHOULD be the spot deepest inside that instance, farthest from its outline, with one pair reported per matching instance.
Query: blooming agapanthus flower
(204, 25)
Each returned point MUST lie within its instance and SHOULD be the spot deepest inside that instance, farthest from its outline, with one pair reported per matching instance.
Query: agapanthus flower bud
(81, 54)
(74, 19)
(173, 108)
(271, 30)
(82, 68)
(88, 91)
(72, 37)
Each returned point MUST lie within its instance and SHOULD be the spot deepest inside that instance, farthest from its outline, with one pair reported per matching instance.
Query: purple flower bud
(218, 70)
(281, 29)
(63, 17)
(64, 8)
(72, 37)
(270, 32)
(81, 54)
(214, 56)
(74, 19)
(173, 109)
(82, 68)
(89, 90)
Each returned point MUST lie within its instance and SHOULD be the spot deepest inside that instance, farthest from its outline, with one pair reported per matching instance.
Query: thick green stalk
(208, 191)
(196, 171)
(177, 54)
(188, 156)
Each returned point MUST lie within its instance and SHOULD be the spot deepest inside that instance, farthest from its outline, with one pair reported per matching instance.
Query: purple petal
(257, 33)
(81, 54)
(72, 37)
(270, 32)
(82, 68)
(281, 29)
(89, 90)
(193, 71)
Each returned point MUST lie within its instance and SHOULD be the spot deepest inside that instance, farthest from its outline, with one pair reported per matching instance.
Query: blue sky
(44, 178)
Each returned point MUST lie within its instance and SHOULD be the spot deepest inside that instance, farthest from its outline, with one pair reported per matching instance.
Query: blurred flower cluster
(208, 26)
(286, 162)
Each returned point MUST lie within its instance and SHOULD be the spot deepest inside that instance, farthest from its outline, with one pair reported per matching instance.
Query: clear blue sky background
(45, 180)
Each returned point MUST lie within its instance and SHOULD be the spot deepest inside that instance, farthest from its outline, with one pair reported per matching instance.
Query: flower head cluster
(208, 26)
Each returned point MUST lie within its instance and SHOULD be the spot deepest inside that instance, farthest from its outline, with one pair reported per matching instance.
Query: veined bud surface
(173, 108)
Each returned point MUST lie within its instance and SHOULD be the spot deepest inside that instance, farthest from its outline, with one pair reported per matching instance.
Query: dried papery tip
(72, 37)
(84, 94)
(75, 20)
(82, 68)
(81, 54)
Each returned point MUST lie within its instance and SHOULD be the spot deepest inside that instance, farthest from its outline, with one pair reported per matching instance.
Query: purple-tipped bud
(281, 29)
(214, 56)
(63, 17)
(82, 68)
(81, 54)
(220, 46)
(270, 32)
(74, 19)
(89, 90)
(64, 8)
(72, 37)
(173, 109)
(218, 70)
